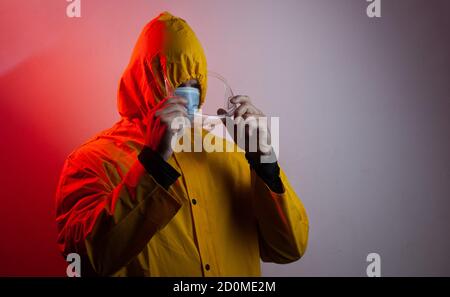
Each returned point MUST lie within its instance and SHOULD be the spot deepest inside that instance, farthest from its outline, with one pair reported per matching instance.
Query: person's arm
(282, 219)
(113, 224)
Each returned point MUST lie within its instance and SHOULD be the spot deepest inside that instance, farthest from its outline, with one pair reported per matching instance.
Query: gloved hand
(246, 117)
(159, 127)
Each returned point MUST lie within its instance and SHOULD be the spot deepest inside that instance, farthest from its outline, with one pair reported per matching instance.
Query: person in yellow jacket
(131, 206)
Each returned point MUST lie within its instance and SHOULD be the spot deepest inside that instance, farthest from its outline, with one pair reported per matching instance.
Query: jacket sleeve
(111, 224)
(282, 221)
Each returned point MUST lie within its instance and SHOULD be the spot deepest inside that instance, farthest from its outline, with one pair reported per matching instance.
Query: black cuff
(156, 166)
(268, 172)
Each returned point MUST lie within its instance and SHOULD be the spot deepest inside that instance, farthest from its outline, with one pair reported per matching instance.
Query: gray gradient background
(365, 122)
(364, 109)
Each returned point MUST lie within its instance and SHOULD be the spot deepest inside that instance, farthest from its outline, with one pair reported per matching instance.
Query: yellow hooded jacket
(218, 219)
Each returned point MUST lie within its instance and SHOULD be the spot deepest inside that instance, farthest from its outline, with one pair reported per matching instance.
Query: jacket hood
(167, 53)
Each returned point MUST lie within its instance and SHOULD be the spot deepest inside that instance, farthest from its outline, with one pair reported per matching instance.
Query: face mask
(192, 95)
